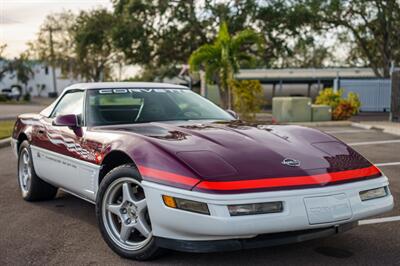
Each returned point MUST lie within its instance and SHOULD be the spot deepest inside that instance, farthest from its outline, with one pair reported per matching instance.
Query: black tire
(37, 189)
(150, 250)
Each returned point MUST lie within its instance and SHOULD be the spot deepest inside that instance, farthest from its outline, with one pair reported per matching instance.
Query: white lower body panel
(303, 209)
(75, 176)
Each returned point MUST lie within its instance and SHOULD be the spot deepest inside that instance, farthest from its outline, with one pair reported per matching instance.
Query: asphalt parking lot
(64, 231)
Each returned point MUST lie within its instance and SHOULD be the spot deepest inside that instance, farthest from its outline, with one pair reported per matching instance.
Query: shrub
(248, 98)
(343, 111)
(329, 97)
(3, 98)
(354, 101)
(342, 108)
(27, 97)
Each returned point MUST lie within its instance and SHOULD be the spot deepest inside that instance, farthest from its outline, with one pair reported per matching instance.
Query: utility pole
(53, 71)
(52, 62)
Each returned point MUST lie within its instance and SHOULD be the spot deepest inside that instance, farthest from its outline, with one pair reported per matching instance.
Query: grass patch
(6, 128)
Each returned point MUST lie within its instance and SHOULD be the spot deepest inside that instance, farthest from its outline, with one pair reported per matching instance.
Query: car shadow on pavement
(71, 206)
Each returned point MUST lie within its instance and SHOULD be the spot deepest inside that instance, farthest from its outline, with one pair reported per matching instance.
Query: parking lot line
(348, 131)
(380, 220)
(374, 142)
(387, 164)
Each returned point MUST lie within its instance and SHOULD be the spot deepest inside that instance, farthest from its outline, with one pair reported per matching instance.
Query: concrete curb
(381, 128)
(5, 142)
(392, 132)
(354, 124)
(322, 124)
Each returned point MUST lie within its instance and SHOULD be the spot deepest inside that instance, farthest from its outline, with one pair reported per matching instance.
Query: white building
(41, 84)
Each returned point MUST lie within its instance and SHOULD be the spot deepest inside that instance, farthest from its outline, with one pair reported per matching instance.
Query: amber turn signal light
(186, 205)
(169, 201)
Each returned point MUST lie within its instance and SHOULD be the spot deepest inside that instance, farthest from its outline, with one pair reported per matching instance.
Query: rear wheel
(32, 187)
(123, 216)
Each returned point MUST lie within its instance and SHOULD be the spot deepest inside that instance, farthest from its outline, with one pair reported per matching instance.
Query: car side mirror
(233, 114)
(66, 120)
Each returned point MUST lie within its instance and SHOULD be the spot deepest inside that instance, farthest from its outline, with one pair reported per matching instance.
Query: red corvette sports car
(168, 169)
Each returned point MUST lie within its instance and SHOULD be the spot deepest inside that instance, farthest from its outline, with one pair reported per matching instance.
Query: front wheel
(123, 216)
(32, 187)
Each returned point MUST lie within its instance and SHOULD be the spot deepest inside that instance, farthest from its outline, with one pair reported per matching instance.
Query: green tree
(23, 70)
(223, 58)
(94, 51)
(4, 67)
(158, 35)
(285, 26)
(370, 28)
(305, 53)
(55, 43)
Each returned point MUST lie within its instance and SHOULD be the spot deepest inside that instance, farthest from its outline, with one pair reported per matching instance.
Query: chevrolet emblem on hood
(291, 162)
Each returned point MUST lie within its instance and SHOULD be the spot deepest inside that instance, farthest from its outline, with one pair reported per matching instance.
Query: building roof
(305, 74)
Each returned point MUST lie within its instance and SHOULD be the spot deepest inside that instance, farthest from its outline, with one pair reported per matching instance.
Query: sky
(20, 19)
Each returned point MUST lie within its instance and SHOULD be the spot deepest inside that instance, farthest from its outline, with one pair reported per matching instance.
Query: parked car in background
(11, 94)
(168, 169)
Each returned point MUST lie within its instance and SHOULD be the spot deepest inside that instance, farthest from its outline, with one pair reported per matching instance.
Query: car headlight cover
(373, 193)
(255, 208)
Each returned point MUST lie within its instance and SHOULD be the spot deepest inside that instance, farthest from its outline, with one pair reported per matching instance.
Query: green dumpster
(321, 112)
(291, 109)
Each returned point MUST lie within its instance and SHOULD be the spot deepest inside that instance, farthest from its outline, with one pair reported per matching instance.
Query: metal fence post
(395, 104)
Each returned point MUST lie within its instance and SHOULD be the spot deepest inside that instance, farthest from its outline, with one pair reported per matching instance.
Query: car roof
(116, 85)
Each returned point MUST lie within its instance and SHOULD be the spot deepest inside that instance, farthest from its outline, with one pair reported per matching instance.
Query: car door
(57, 152)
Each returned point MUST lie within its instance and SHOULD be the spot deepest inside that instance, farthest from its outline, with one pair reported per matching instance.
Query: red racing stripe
(167, 176)
(293, 181)
(321, 179)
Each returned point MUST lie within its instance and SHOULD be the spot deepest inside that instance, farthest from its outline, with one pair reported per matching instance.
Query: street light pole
(52, 61)
(53, 71)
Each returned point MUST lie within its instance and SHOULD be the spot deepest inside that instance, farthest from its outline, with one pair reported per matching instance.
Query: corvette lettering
(122, 91)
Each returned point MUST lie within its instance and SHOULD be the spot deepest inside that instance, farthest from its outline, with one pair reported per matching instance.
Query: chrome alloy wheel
(125, 214)
(25, 171)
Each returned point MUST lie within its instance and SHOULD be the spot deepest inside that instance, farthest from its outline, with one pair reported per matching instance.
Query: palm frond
(223, 36)
(247, 36)
(203, 55)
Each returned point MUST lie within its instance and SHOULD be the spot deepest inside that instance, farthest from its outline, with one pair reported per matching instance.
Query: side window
(70, 103)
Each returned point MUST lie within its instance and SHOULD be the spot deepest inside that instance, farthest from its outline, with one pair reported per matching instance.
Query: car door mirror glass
(66, 120)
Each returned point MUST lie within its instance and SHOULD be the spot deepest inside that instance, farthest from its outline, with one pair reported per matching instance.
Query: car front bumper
(265, 240)
(174, 224)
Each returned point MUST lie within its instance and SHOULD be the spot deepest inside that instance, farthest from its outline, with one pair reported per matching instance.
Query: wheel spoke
(25, 157)
(28, 183)
(125, 232)
(143, 227)
(141, 205)
(25, 180)
(29, 172)
(114, 208)
(127, 194)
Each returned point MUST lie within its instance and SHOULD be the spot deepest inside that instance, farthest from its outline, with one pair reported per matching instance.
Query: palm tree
(223, 58)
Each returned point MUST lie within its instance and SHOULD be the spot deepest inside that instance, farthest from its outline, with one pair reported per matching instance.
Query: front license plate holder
(328, 209)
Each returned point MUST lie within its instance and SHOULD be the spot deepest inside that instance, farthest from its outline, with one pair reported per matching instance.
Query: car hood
(239, 151)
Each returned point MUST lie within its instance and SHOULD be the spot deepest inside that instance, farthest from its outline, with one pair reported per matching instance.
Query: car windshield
(125, 106)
